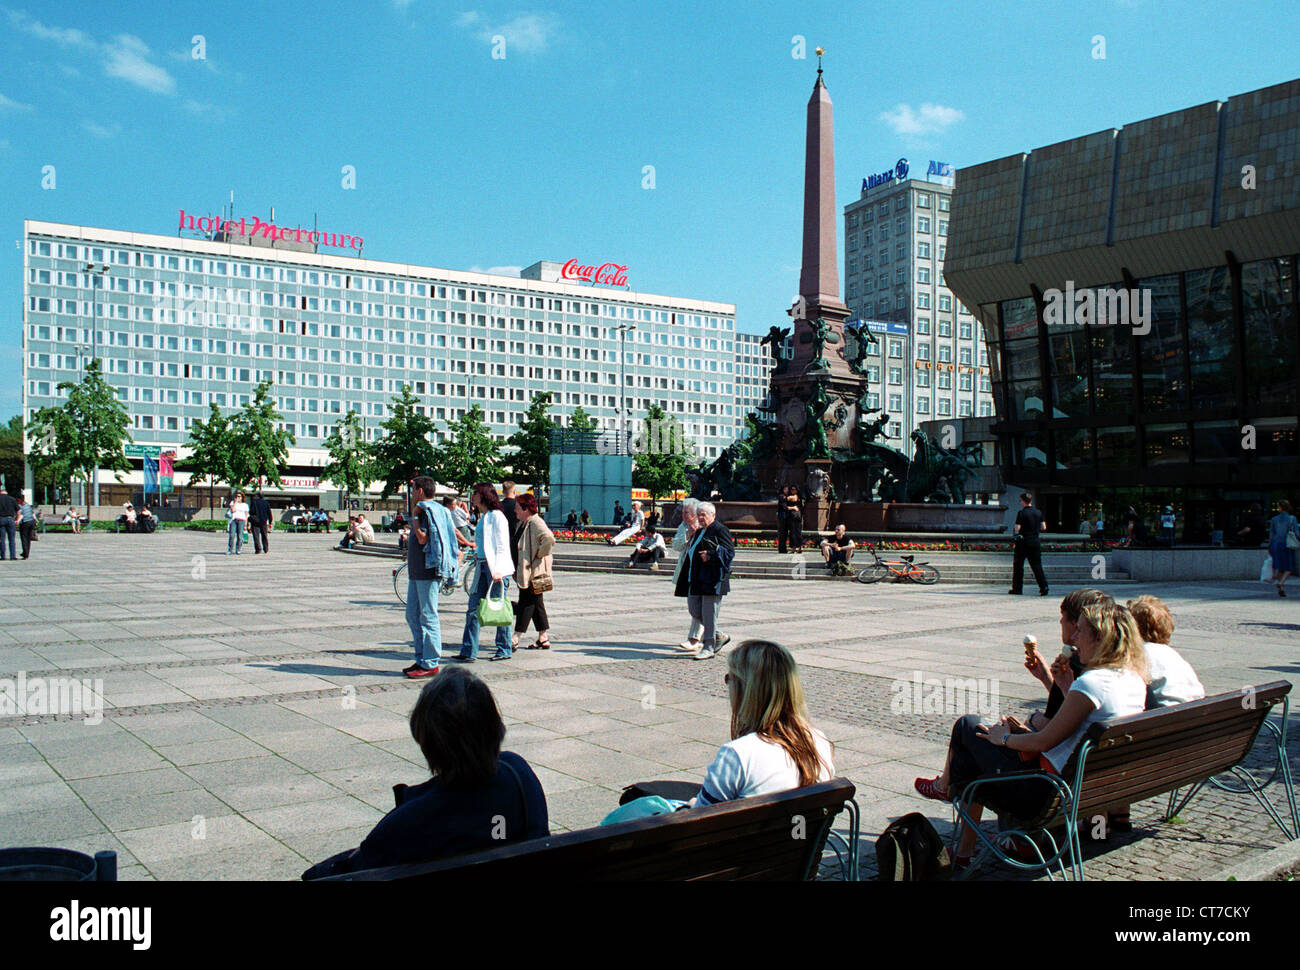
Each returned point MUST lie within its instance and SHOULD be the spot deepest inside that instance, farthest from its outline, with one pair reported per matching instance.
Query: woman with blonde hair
(1112, 685)
(773, 745)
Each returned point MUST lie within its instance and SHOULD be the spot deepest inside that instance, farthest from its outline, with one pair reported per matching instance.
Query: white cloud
(497, 270)
(529, 33)
(102, 131)
(930, 119)
(128, 58)
(9, 104)
(62, 36)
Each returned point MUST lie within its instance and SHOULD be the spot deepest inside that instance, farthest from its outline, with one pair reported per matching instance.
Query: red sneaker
(929, 787)
(415, 671)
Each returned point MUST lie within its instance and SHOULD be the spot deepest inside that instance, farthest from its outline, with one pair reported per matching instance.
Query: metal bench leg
(850, 867)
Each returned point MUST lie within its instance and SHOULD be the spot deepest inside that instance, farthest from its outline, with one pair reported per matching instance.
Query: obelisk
(819, 277)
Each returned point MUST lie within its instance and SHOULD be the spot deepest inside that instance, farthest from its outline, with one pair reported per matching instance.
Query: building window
(923, 274)
(945, 354)
(923, 378)
(923, 249)
(922, 324)
(964, 382)
(884, 211)
(896, 375)
(922, 223)
(922, 405)
(943, 227)
(866, 239)
(945, 302)
(895, 402)
(922, 351)
(944, 203)
(896, 348)
(945, 327)
(923, 200)
(923, 301)
(963, 356)
(964, 329)
(945, 407)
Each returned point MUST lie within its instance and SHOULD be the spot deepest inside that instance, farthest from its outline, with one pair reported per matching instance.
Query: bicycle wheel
(873, 573)
(469, 576)
(399, 583)
(924, 574)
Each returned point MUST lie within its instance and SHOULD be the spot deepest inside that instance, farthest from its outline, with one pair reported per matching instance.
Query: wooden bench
(1158, 752)
(767, 837)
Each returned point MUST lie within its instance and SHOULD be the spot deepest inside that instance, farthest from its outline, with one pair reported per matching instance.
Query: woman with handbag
(1283, 541)
(492, 545)
(533, 574)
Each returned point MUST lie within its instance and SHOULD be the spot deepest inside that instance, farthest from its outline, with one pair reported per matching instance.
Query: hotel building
(181, 323)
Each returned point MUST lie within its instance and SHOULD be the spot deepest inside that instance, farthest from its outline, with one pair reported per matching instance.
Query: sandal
(929, 788)
(539, 644)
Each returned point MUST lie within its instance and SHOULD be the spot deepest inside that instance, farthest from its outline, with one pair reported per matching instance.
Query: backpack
(910, 850)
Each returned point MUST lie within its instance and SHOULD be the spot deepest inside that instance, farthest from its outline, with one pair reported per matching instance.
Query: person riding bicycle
(838, 551)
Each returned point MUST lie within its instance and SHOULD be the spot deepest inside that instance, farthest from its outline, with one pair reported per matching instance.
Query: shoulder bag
(495, 612)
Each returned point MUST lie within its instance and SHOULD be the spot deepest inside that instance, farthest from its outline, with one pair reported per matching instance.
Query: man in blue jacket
(431, 556)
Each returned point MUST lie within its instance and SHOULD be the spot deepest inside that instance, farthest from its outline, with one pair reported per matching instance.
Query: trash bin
(37, 864)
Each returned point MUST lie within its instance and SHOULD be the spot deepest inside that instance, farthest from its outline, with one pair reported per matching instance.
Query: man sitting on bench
(648, 551)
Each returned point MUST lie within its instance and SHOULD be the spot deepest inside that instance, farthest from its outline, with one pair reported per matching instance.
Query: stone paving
(255, 713)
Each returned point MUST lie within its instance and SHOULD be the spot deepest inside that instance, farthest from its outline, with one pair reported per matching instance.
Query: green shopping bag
(495, 612)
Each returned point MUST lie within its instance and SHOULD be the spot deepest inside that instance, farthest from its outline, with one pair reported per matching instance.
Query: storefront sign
(878, 326)
(606, 274)
(942, 169)
(269, 231)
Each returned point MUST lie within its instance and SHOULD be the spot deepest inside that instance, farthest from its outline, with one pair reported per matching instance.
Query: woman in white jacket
(495, 565)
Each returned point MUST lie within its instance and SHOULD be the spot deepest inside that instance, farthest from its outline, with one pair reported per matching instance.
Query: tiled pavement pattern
(256, 718)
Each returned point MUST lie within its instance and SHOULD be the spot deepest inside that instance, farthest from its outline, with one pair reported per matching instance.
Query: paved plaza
(255, 712)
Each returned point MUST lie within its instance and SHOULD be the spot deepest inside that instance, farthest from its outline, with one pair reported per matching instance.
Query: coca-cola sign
(606, 274)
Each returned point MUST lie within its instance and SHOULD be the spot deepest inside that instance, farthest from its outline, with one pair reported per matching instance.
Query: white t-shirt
(1113, 692)
(239, 510)
(1173, 681)
(750, 765)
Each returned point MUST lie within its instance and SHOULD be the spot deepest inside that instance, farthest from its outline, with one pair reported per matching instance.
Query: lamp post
(623, 329)
(96, 271)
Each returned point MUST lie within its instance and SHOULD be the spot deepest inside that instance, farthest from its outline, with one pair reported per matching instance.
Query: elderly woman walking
(705, 578)
(1283, 541)
(533, 574)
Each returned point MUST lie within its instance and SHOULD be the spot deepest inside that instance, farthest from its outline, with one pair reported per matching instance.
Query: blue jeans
(422, 618)
(469, 642)
(7, 533)
(234, 536)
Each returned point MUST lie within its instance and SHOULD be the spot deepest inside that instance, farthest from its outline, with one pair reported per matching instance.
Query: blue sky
(465, 160)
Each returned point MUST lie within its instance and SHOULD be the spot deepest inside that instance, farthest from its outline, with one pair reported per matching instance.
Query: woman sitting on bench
(1113, 684)
(479, 797)
(774, 748)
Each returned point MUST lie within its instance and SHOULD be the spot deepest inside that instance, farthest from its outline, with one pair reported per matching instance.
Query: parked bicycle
(903, 569)
(466, 573)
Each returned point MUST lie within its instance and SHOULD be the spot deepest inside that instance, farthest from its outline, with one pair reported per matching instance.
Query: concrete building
(181, 323)
(930, 363)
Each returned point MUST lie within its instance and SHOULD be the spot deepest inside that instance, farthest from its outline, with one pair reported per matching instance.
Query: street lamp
(623, 329)
(96, 271)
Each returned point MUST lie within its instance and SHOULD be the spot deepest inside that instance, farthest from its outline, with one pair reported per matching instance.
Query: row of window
(262, 271)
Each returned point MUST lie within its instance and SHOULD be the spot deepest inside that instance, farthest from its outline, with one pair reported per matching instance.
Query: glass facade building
(1174, 381)
(181, 323)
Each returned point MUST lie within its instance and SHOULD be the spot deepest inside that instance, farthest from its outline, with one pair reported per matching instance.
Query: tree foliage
(469, 454)
(258, 448)
(531, 461)
(406, 449)
(350, 464)
(580, 420)
(88, 431)
(11, 452)
(662, 453)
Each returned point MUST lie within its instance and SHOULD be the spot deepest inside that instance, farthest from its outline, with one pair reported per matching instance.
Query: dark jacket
(712, 578)
(431, 822)
(8, 507)
(259, 510)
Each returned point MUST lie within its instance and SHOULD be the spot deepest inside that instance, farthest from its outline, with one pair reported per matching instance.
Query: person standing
(8, 515)
(431, 555)
(685, 534)
(789, 520)
(238, 513)
(1030, 525)
(1167, 526)
(533, 572)
(26, 522)
(508, 505)
(492, 546)
(1283, 539)
(571, 524)
(585, 519)
(618, 514)
(259, 518)
(707, 574)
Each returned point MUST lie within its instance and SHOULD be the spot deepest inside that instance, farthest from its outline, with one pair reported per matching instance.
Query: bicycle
(903, 568)
(466, 573)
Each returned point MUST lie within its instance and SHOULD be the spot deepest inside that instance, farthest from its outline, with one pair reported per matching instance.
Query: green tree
(580, 420)
(405, 450)
(531, 461)
(469, 454)
(210, 453)
(662, 453)
(12, 459)
(87, 432)
(259, 449)
(349, 464)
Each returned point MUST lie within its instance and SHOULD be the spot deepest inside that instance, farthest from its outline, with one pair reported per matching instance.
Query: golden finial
(820, 52)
